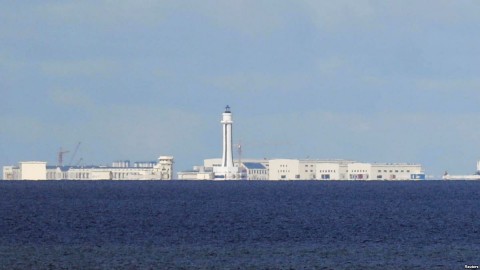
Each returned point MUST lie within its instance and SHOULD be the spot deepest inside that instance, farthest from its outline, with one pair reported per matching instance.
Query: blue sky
(374, 81)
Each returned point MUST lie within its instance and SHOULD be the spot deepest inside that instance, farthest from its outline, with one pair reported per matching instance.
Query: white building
(331, 170)
(359, 171)
(249, 169)
(475, 176)
(396, 171)
(198, 173)
(159, 170)
(295, 169)
(26, 170)
(284, 169)
(307, 169)
(255, 170)
(226, 168)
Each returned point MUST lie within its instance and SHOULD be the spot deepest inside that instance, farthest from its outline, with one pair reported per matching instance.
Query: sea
(239, 224)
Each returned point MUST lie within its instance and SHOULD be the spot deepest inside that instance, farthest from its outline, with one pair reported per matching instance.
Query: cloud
(333, 65)
(140, 131)
(107, 12)
(450, 85)
(71, 98)
(331, 15)
(434, 139)
(441, 11)
(254, 83)
(21, 128)
(79, 68)
(11, 67)
(249, 17)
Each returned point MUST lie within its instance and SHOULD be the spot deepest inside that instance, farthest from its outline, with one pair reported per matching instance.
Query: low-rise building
(396, 171)
(159, 170)
(284, 169)
(255, 171)
(198, 173)
(26, 170)
(310, 169)
(294, 169)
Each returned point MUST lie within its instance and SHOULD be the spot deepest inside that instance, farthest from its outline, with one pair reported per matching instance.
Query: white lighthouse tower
(227, 171)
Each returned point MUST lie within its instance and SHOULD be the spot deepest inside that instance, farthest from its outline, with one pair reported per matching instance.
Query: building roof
(254, 165)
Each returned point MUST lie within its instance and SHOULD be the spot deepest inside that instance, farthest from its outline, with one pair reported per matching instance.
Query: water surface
(239, 224)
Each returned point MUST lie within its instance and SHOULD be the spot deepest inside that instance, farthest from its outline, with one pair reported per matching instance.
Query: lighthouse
(227, 171)
(227, 158)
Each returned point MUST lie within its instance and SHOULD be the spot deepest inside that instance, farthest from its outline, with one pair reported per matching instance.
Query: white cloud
(251, 83)
(332, 65)
(26, 129)
(92, 67)
(331, 15)
(250, 17)
(434, 139)
(71, 98)
(107, 12)
(450, 85)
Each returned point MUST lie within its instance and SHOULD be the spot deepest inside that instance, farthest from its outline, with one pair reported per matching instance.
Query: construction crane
(74, 153)
(61, 153)
(239, 152)
(79, 163)
(240, 165)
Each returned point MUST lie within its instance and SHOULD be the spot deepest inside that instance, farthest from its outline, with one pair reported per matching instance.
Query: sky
(372, 81)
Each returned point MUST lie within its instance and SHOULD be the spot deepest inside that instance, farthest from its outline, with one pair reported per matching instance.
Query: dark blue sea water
(239, 225)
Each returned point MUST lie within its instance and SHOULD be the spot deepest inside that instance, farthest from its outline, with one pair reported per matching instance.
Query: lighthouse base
(227, 173)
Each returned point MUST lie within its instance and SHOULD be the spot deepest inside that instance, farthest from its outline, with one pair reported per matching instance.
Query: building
(162, 169)
(295, 169)
(331, 170)
(226, 168)
(308, 169)
(198, 173)
(255, 171)
(26, 170)
(475, 176)
(396, 171)
(284, 169)
(246, 167)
